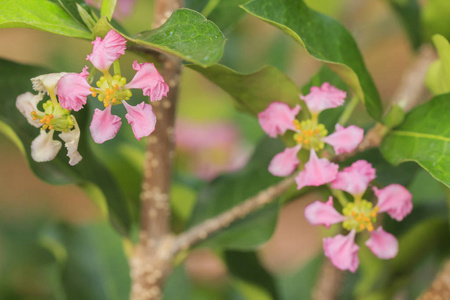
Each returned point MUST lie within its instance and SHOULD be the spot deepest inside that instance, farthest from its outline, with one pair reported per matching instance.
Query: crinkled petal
(46, 82)
(104, 125)
(141, 118)
(355, 179)
(71, 139)
(321, 98)
(73, 90)
(319, 213)
(44, 148)
(277, 118)
(395, 200)
(149, 80)
(107, 50)
(383, 244)
(345, 140)
(317, 172)
(27, 103)
(284, 163)
(342, 251)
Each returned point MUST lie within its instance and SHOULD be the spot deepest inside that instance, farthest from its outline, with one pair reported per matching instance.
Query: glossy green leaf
(409, 14)
(423, 138)
(90, 174)
(255, 91)
(438, 76)
(90, 261)
(42, 15)
(186, 34)
(76, 8)
(325, 39)
(229, 190)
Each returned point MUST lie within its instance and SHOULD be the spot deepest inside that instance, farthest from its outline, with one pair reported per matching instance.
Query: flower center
(54, 117)
(110, 90)
(360, 216)
(309, 134)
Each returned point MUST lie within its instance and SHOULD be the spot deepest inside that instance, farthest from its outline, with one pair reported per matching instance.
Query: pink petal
(107, 50)
(284, 163)
(383, 244)
(73, 90)
(395, 200)
(317, 172)
(342, 251)
(141, 118)
(277, 118)
(355, 179)
(104, 125)
(149, 80)
(321, 98)
(345, 140)
(319, 213)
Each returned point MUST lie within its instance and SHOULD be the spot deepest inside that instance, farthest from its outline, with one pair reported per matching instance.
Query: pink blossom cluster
(278, 118)
(73, 89)
(357, 216)
(360, 215)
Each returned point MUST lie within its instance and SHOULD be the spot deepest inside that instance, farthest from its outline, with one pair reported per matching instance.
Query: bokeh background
(212, 137)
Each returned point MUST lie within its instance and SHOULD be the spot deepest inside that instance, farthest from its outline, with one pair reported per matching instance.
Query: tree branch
(440, 288)
(151, 261)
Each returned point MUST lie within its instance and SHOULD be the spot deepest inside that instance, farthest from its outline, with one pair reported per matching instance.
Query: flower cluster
(69, 91)
(360, 215)
(357, 216)
(74, 88)
(278, 117)
(52, 118)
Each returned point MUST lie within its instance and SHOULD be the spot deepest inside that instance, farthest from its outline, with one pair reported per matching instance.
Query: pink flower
(395, 200)
(342, 251)
(321, 98)
(104, 125)
(107, 50)
(73, 90)
(149, 80)
(277, 118)
(141, 118)
(317, 172)
(383, 244)
(345, 140)
(284, 163)
(319, 213)
(355, 179)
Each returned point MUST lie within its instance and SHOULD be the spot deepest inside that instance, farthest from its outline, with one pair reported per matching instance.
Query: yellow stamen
(306, 142)
(353, 213)
(370, 227)
(92, 89)
(50, 127)
(94, 94)
(116, 86)
(114, 100)
(317, 131)
(42, 121)
(373, 214)
(361, 226)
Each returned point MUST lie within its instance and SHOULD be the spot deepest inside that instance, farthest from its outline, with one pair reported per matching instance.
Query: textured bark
(151, 261)
(329, 283)
(440, 288)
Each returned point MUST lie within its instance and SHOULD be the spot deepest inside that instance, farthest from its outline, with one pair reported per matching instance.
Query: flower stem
(340, 196)
(346, 114)
(52, 95)
(117, 67)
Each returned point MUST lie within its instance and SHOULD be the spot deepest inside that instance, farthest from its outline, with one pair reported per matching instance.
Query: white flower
(71, 139)
(44, 148)
(27, 103)
(46, 82)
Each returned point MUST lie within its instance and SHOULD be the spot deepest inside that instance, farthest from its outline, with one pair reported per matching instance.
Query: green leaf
(438, 76)
(76, 8)
(423, 138)
(409, 14)
(42, 15)
(326, 40)
(89, 174)
(300, 284)
(90, 261)
(107, 8)
(229, 190)
(186, 34)
(246, 266)
(435, 18)
(255, 91)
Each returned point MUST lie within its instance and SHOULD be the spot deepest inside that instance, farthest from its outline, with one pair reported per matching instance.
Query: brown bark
(151, 261)
(440, 288)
